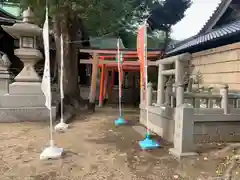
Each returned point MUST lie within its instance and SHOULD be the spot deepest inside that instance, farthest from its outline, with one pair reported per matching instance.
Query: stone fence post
(210, 101)
(183, 143)
(5, 76)
(160, 87)
(224, 101)
(149, 95)
(179, 79)
(168, 90)
(173, 99)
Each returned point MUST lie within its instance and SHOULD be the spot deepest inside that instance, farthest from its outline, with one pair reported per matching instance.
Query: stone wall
(217, 66)
(211, 125)
(160, 121)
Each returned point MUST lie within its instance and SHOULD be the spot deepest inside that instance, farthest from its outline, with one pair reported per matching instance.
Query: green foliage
(105, 16)
(161, 15)
(117, 17)
(130, 39)
(165, 14)
(99, 16)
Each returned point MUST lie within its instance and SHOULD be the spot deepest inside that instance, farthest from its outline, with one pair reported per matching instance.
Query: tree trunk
(70, 80)
(71, 86)
(57, 33)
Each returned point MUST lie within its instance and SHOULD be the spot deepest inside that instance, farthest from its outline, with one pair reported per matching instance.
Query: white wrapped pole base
(51, 152)
(61, 127)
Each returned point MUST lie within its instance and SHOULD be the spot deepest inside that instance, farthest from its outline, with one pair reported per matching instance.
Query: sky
(195, 18)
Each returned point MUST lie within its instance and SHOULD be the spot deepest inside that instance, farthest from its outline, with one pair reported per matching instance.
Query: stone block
(25, 88)
(5, 79)
(26, 114)
(160, 121)
(13, 101)
(184, 129)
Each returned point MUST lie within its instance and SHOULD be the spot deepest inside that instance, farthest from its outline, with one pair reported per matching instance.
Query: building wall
(218, 66)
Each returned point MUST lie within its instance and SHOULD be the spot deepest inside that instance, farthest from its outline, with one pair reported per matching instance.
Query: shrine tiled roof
(6, 17)
(219, 11)
(6, 14)
(215, 34)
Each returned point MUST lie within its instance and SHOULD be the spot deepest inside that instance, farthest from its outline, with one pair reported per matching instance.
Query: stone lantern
(27, 81)
(23, 100)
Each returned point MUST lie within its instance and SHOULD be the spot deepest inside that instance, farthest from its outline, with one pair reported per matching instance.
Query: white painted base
(61, 127)
(51, 152)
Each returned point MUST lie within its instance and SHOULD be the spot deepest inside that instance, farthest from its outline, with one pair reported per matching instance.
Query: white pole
(119, 80)
(61, 80)
(51, 129)
(61, 120)
(62, 126)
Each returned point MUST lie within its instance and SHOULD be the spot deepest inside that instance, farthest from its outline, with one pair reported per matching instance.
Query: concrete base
(178, 154)
(20, 114)
(25, 88)
(24, 107)
(13, 101)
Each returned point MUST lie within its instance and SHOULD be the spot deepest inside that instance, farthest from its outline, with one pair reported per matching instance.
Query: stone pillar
(168, 91)
(183, 132)
(190, 84)
(5, 76)
(179, 81)
(173, 99)
(161, 81)
(150, 92)
(210, 101)
(238, 103)
(224, 101)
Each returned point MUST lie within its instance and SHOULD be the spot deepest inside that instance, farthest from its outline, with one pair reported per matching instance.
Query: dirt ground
(96, 150)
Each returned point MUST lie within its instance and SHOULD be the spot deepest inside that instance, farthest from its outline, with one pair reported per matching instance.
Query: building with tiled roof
(222, 28)
(215, 48)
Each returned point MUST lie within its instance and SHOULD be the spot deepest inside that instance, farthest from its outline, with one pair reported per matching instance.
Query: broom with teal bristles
(121, 120)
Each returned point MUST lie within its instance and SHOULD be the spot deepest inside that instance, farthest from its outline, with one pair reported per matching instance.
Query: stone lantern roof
(24, 28)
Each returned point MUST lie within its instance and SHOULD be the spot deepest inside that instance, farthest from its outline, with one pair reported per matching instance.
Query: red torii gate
(107, 62)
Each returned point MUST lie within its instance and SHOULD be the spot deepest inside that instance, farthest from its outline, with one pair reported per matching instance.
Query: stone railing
(187, 118)
(201, 99)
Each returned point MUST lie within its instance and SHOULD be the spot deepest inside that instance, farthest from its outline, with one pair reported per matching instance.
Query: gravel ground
(96, 150)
